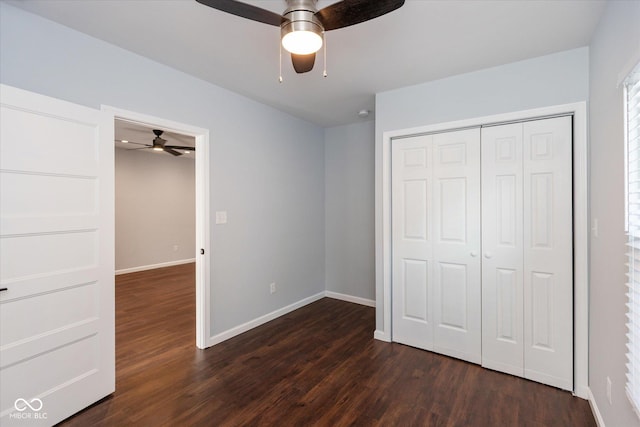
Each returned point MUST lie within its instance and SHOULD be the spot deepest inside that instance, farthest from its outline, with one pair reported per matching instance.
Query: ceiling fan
(302, 25)
(160, 144)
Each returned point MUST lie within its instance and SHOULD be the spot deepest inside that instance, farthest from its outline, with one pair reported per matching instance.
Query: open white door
(57, 348)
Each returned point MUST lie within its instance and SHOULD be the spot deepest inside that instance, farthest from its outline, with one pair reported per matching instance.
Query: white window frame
(632, 228)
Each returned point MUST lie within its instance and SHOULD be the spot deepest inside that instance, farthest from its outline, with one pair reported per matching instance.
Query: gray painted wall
(614, 47)
(267, 166)
(560, 78)
(539, 82)
(155, 208)
(349, 209)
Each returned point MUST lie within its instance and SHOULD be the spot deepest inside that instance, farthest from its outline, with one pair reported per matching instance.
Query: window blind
(632, 122)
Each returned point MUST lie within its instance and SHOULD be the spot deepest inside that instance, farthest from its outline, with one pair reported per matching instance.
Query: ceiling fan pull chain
(280, 78)
(324, 74)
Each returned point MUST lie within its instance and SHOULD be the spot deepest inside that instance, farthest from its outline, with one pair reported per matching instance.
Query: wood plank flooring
(316, 366)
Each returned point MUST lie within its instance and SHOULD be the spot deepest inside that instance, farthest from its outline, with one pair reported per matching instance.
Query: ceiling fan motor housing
(300, 16)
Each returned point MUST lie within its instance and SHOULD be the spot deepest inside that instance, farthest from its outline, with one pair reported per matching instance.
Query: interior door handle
(474, 254)
(488, 255)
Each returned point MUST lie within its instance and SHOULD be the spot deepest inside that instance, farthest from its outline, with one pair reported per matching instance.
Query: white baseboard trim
(381, 336)
(350, 298)
(154, 266)
(595, 410)
(230, 333)
(582, 392)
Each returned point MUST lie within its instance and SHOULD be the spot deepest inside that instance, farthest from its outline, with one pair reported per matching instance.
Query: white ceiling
(422, 41)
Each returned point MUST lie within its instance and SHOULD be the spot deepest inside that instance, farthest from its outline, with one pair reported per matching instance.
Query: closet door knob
(488, 255)
(474, 254)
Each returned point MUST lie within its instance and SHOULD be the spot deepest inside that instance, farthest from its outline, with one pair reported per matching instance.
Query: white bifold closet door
(527, 265)
(436, 243)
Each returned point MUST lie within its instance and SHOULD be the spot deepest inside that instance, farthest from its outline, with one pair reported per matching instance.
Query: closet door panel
(412, 242)
(548, 252)
(502, 248)
(456, 244)
(505, 301)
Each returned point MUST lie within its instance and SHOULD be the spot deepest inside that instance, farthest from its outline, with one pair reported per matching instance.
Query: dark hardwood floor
(318, 365)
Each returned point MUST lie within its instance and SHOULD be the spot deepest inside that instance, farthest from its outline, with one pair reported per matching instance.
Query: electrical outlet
(609, 390)
(272, 287)
(175, 248)
(594, 227)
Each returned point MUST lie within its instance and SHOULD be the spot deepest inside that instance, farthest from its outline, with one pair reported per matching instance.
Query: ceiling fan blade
(171, 151)
(245, 10)
(350, 12)
(132, 142)
(303, 63)
(180, 147)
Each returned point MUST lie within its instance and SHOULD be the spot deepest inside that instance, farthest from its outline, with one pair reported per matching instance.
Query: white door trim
(203, 170)
(580, 223)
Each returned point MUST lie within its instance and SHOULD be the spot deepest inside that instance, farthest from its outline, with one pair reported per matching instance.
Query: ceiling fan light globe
(157, 149)
(302, 42)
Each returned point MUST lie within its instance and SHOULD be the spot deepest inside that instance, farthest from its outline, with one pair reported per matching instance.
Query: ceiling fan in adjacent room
(160, 144)
(302, 25)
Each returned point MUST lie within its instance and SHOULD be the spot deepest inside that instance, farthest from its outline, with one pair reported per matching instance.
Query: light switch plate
(221, 217)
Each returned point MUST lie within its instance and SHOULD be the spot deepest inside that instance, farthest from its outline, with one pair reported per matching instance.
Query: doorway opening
(178, 135)
(154, 198)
